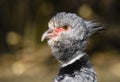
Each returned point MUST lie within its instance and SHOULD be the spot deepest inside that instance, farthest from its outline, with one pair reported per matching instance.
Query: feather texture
(68, 47)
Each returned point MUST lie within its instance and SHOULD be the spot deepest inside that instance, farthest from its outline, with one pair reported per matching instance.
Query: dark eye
(65, 27)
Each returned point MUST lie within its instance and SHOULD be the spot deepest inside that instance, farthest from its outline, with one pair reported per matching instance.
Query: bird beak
(46, 34)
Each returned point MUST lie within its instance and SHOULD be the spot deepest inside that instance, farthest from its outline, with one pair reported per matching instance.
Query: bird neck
(67, 51)
(69, 58)
(72, 60)
(77, 65)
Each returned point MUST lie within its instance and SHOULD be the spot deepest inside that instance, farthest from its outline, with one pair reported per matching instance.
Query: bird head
(67, 35)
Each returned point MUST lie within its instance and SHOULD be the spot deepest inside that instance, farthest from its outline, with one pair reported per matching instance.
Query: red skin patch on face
(58, 30)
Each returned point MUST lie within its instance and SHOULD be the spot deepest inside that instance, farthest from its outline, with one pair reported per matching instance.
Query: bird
(67, 36)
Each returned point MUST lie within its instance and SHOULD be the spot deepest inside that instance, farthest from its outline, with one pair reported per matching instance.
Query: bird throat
(65, 51)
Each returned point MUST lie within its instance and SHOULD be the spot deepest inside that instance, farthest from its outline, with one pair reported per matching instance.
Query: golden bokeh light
(85, 11)
(12, 38)
(18, 68)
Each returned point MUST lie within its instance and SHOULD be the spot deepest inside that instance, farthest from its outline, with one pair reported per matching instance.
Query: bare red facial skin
(52, 33)
(59, 29)
(56, 32)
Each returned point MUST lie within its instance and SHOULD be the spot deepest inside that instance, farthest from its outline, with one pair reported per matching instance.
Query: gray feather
(72, 43)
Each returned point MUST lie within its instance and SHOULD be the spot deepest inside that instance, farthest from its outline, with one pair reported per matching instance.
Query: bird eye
(65, 27)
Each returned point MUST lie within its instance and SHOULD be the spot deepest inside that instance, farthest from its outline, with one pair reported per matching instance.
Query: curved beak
(47, 34)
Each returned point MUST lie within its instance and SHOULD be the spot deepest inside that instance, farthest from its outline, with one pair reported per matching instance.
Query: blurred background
(24, 58)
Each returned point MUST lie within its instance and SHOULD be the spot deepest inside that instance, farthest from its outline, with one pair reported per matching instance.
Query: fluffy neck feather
(68, 49)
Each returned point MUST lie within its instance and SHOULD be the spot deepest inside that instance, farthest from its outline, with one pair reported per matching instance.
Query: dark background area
(24, 58)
